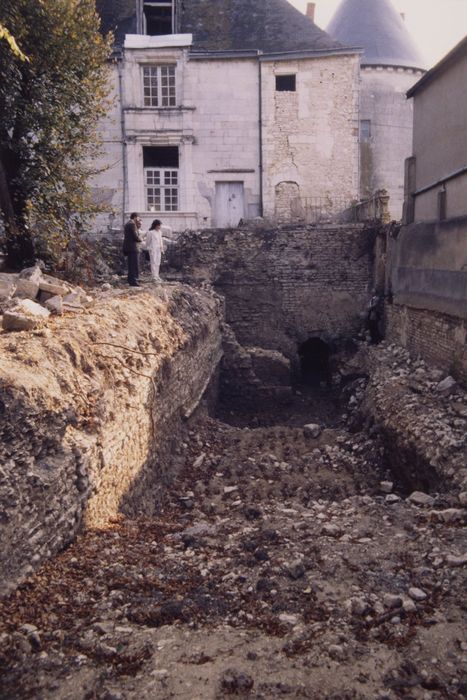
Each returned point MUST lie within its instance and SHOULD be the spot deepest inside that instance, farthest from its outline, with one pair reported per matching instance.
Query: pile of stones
(29, 298)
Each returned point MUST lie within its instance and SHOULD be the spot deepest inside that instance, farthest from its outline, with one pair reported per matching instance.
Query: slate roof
(377, 27)
(271, 26)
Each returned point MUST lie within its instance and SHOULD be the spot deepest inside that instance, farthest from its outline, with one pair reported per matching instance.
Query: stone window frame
(159, 87)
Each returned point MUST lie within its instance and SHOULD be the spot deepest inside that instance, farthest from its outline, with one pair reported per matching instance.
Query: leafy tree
(50, 106)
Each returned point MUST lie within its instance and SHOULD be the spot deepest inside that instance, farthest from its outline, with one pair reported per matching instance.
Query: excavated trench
(277, 565)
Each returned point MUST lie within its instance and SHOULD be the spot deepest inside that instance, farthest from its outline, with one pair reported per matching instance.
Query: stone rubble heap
(272, 573)
(422, 413)
(28, 299)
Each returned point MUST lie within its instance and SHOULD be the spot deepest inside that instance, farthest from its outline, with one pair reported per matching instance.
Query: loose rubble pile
(27, 299)
(284, 564)
(421, 411)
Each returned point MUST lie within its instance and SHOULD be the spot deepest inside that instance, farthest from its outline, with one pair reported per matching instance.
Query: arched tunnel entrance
(314, 355)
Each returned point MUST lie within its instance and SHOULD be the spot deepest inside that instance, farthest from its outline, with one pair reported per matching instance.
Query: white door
(230, 204)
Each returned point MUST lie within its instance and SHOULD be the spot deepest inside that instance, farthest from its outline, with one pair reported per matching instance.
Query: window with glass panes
(159, 86)
(161, 189)
(161, 177)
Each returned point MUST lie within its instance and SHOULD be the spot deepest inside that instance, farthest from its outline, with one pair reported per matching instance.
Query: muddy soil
(280, 567)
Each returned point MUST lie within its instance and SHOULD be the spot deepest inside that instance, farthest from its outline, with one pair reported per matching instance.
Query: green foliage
(50, 106)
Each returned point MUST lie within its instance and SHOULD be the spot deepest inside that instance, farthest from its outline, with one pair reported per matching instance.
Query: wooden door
(230, 204)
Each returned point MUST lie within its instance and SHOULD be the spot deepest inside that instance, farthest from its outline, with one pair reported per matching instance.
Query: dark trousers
(133, 268)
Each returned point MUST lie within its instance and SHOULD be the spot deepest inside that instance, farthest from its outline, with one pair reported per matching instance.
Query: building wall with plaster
(386, 138)
(309, 137)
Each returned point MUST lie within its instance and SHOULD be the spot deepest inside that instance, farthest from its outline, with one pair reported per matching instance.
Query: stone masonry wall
(90, 410)
(437, 338)
(283, 286)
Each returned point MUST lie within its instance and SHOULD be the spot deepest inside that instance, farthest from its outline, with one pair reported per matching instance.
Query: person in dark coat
(375, 318)
(131, 240)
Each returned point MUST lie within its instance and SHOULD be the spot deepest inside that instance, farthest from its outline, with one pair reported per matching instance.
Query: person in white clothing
(155, 248)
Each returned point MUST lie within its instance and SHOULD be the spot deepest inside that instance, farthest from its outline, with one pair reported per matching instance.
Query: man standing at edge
(130, 248)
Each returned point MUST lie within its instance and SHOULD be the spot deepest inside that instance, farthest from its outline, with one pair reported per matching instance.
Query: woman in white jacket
(155, 248)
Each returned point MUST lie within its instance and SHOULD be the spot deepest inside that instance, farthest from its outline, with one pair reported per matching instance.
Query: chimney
(310, 10)
(403, 16)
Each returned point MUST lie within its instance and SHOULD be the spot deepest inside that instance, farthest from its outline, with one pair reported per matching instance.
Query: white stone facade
(386, 131)
(238, 156)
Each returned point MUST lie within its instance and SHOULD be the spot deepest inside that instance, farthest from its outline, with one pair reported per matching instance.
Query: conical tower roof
(377, 27)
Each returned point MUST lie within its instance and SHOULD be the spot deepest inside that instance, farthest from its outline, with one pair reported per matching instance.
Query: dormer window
(158, 17)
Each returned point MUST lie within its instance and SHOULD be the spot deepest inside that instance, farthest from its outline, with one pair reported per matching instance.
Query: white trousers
(155, 260)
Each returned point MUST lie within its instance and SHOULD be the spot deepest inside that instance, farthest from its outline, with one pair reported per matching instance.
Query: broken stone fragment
(386, 486)
(359, 607)
(296, 569)
(331, 530)
(421, 499)
(199, 460)
(31, 273)
(53, 286)
(73, 308)
(230, 489)
(392, 601)
(77, 299)
(26, 288)
(24, 316)
(409, 606)
(417, 594)
(392, 498)
(450, 515)
(446, 386)
(7, 285)
(312, 430)
(55, 305)
(453, 560)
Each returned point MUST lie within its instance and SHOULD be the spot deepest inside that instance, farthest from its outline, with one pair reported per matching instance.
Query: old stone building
(390, 65)
(227, 110)
(429, 256)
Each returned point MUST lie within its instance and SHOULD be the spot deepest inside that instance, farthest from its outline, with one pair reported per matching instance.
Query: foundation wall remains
(91, 411)
(438, 338)
(284, 285)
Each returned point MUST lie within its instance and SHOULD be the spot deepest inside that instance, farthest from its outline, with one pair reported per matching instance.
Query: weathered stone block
(24, 316)
(26, 288)
(53, 286)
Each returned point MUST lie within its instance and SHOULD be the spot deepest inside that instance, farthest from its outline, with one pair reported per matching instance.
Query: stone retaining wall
(284, 285)
(438, 338)
(91, 410)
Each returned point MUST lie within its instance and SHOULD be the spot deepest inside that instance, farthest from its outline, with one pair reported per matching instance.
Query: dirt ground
(281, 567)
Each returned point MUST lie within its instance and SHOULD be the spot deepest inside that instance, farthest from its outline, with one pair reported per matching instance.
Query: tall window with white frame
(161, 178)
(159, 88)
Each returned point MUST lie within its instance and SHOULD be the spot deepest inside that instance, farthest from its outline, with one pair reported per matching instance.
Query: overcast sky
(435, 25)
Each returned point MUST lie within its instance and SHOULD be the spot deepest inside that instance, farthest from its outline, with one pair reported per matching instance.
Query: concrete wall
(383, 102)
(284, 285)
(429, 267)
(92, 412)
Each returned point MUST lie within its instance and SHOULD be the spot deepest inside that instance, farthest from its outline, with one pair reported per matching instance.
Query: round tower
(390, 65)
